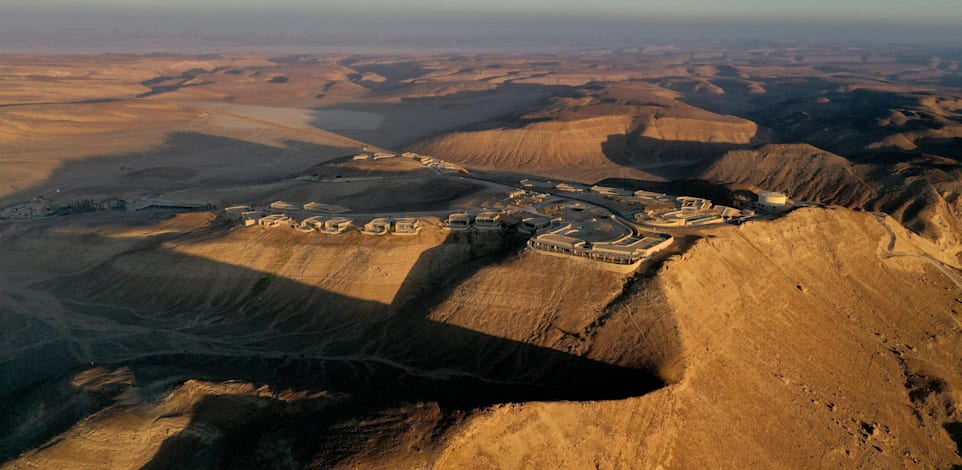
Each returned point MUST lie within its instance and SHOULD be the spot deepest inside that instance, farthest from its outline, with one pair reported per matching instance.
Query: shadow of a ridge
(185, 160)
(171, 316)
(955, 432)
(419, 118)
(669, 159)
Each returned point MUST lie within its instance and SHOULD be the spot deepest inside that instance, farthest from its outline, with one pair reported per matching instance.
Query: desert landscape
(672, 256)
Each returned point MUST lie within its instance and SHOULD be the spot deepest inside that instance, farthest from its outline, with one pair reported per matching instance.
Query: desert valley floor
(143, 325)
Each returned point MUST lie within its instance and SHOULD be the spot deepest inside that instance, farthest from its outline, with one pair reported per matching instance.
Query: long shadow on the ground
(195, 318)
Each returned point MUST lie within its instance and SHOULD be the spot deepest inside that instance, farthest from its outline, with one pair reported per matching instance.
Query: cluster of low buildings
(461, 221)
(388, 225)
(285, 206)
(689, 212)
(430, 162)
(629, 250)
(326, 224)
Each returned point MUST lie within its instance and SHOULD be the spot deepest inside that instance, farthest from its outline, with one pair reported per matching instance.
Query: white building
(772, 201)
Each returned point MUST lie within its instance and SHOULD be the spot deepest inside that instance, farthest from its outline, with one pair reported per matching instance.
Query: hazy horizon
(106, 25)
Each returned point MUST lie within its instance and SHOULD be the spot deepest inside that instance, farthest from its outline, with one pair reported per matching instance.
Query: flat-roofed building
(383, 155)
(649, 195)
(533, 183)
(571, 187)
(336, 225)
(534, 224)
(488, 221)
(314, 223)
(628, 250)
(321, 207)
(250, 218)
(693, 203)
(362, 156)
(378, 226)
(234, 212)
(556, 243)
(459, 221)
(163, 203)
(407, 226)
(284, 206)
(276, 220)
(609, 191)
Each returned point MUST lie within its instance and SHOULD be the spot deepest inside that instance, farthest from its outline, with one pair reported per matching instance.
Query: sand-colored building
(533, 183)
(610, 191)
(488, 221)
(693, 203)
(571, 187)
(321, 207)
(407, 226)
(250, 218)
(378, 226)
(459, 221)
(235, 212)
(313, 223)
(362, 156)
(628, 250)
(284, 206)
(534, 224)
(641, 193)
(276, 220)
(163, 203)
(336, 225)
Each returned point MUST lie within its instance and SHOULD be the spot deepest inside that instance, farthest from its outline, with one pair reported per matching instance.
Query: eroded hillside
(266, 347)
